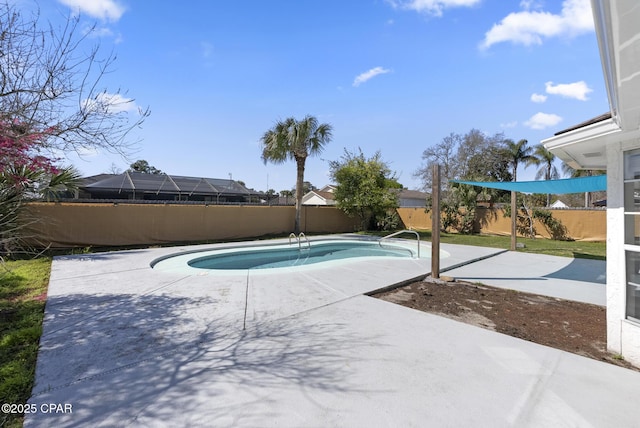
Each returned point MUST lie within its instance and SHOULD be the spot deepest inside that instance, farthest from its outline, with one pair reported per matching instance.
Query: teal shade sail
(556, 187)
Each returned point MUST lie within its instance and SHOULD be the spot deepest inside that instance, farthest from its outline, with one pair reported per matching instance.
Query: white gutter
(606, 43)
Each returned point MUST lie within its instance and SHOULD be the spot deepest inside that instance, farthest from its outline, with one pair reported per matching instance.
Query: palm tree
(18, 184)
(548, 170)
(295, 140)
(575, 173)
(516, 153)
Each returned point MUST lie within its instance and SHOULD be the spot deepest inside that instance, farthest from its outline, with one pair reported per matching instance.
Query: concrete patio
(127, 345)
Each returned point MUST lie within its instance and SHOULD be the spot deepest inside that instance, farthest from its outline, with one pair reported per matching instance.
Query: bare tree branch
(49, 84)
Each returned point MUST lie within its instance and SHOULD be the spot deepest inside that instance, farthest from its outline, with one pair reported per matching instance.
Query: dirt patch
(563, 324)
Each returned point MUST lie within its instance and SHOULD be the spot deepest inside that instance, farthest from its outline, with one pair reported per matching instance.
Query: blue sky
(390, 75)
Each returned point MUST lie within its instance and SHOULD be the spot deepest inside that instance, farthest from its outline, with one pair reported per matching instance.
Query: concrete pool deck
(125, 345)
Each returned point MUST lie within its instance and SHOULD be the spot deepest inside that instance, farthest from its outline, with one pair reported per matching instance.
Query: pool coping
(178, 262)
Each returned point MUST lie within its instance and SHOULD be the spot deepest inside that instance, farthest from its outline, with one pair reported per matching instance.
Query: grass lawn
(577, 249)
(23, 284)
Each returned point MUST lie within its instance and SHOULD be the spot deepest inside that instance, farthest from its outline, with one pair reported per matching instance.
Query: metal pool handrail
(299, 239)
(294, 237)
(302, 235)
(399, 233)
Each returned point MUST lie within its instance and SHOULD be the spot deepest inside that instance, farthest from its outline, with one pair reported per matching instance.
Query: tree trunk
(299, 184)
(514, 210)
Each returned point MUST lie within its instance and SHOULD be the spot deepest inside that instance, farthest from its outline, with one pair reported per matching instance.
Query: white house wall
(616, 274)
(618, 35)
(623, 336)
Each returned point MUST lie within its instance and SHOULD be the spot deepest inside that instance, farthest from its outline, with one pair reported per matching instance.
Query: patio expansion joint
(302, 312)
(422, 277)
(474, 260)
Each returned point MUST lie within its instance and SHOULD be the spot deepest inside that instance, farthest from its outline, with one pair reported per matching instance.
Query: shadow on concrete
(585, 270)
(125, 358)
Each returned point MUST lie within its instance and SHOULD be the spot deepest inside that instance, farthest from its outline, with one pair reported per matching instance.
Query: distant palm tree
(295, 140)
(547, 171)
(515, 154)
(575, 173)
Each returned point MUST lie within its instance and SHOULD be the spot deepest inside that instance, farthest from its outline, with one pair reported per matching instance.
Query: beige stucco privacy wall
(107, 224)
(87, 224)
(582, 225)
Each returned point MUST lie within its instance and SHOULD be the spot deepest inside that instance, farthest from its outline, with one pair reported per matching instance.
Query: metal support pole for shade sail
(514, 216)
(435, 223)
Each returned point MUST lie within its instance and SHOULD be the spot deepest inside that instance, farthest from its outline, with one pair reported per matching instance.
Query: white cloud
(363, 77)
(543, 120)
(531, 4)
(530, 27)
(576, 90)
(108, 10)
(99, 31)
(538, 98)
(106, 103)
(431, 7)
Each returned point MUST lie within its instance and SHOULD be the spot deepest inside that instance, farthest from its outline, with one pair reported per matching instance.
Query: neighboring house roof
(325, 196)
(412, 198)
(318, 197)
(142, 183)
(328, 188)
(584, 146)
(412, 194)
(94, 178)
(559, 204)
(322, 196)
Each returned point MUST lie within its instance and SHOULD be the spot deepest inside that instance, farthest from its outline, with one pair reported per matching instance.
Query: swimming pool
(267, 257)
(296, 256)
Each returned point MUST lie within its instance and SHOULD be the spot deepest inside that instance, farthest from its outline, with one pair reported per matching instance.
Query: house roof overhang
(618, 35)
(583, 147)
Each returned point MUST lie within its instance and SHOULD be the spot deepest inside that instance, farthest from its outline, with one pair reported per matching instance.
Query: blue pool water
(269, 258)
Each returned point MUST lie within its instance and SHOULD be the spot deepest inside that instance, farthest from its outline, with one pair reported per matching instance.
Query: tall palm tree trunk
(514, 211)
(300, 162)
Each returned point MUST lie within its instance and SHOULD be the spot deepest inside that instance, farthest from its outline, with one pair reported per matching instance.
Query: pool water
(269, 258)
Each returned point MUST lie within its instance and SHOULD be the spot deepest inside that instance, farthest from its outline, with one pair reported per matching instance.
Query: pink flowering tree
(52, 103)
(26, 174)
